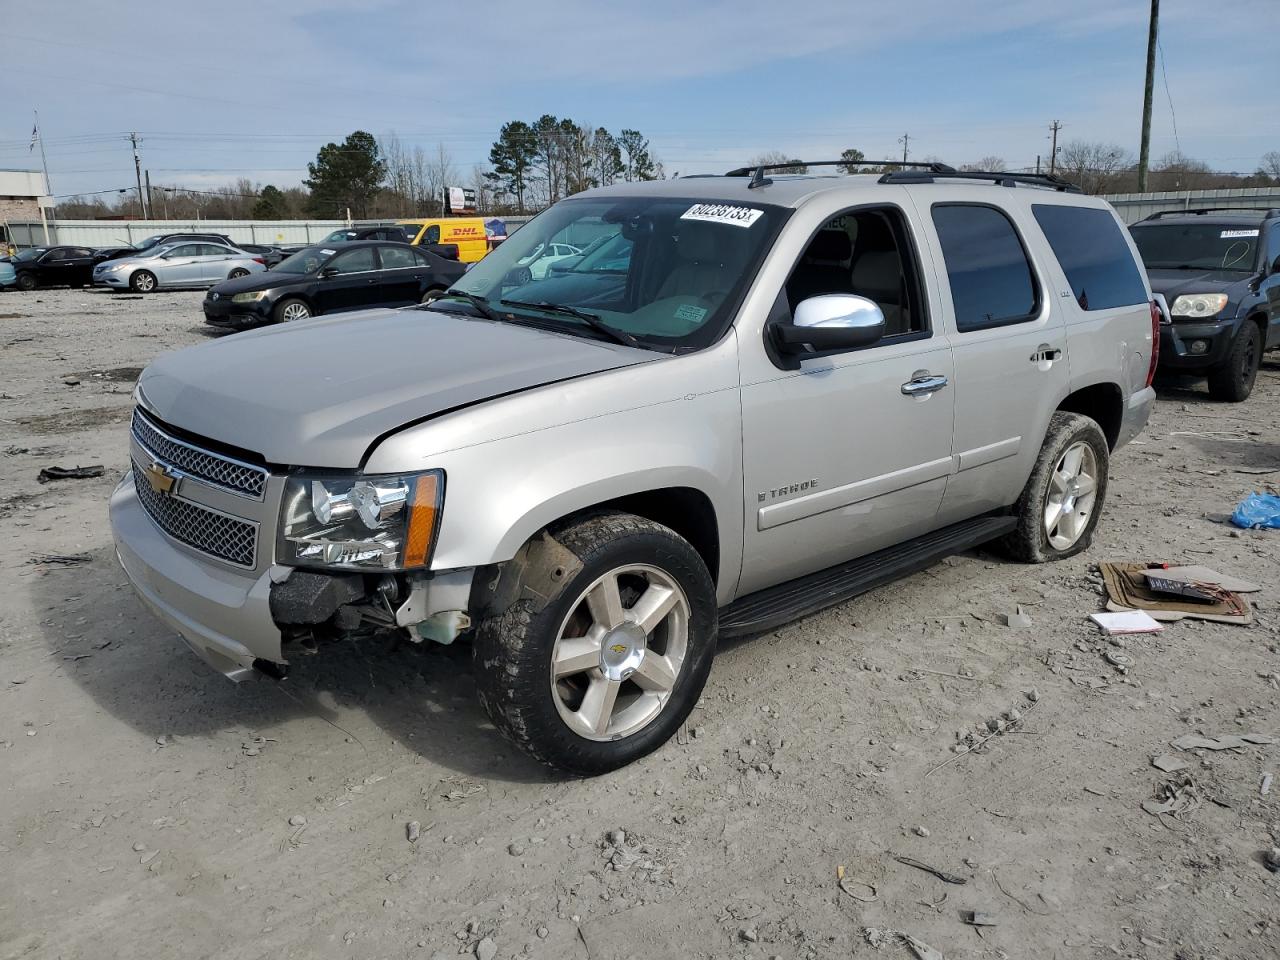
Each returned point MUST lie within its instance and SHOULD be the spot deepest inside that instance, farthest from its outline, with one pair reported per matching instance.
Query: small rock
(486, 949)
(1033, 695)
(516, 849)
(543, 933)
(348, 936)
(139, 847)
(297, 820)
(749, 935)
(1273, 860)
(921, 831)
(148, 857)
(412, 831)
(617, 837)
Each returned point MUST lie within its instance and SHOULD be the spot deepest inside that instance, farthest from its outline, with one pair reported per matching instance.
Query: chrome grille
(214, 533)
(240, 478)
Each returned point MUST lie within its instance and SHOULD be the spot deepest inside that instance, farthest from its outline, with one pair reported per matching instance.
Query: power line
(1168, 96)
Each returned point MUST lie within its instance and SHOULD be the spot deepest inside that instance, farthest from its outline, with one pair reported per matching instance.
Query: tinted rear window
(1091, 249)
(991, 279)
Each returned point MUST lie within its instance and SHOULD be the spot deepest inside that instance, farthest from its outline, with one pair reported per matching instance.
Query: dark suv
(1215, 269)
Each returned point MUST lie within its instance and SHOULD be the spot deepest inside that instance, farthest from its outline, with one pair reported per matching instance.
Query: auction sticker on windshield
(722, 213)
(1228, 234)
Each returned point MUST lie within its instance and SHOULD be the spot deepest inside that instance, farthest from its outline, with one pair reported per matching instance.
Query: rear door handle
(1046, 352)
(919, 386)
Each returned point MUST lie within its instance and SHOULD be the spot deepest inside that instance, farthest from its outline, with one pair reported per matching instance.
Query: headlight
(360, 523)
(249, 297)
(1198, 305)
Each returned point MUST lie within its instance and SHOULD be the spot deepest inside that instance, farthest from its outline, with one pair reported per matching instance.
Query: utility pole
(905, 140)
(1144, 153)
(151, 203)
(1053, 152)
(1037, 164)
(44, 163)
(137, 169)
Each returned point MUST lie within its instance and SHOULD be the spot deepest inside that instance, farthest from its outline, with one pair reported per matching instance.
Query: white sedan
(544, 255)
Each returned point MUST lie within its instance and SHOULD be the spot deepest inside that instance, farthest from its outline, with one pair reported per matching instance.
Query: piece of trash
(297, 820)
(840, 871)
(412, 831)
(921, 949)
(942, 875)
(1018, 620)
(976, 918)
(1127, 591)
(1129, 621)
(1169, 763)
(1257, 511)
(61, 559)
(1186, 589)
(1121, 660)
(1196, 574)
(859, 890)
(70, 473)
(1178, 800)
(1266, 785)
(1232, 741)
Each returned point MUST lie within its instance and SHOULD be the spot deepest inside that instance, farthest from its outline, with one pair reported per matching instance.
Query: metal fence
(115, 233)
(1132, 207)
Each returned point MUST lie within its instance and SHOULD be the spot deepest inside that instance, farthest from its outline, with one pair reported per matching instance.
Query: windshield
(307, 260)
(1197, 246)
(667, 271)
(25, 255)
(340, 236)
(149, 242)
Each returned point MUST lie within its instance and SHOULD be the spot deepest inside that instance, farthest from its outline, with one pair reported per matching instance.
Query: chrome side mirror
(827, 323)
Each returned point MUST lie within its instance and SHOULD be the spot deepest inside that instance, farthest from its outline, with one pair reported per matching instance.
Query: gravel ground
(152, 809)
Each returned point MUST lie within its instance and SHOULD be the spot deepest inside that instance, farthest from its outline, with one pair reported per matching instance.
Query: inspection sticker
(1228, 234)
(328, 253)
(690, 313)
(723, 213)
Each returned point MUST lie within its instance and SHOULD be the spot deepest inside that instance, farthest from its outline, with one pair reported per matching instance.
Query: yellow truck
(466, 233)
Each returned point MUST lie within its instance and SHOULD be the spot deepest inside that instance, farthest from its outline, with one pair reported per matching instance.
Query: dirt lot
(152, 809)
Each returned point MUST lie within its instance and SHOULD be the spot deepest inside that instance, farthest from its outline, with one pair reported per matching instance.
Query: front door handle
(919, 386)
(1046, 352)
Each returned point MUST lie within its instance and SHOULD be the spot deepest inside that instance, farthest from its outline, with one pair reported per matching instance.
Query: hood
(319, 393)
(258, 281)
(1174, 283)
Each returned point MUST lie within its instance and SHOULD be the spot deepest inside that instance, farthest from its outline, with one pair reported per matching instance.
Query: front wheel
(607, 670)
(289, 310)
(432, 295)
(237, 273)
(1232, 381)
(142, 281)
(26, 282)
(1060, 505)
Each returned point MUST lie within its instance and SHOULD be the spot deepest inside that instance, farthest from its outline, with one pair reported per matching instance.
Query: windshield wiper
(480, 303)
(590, 319)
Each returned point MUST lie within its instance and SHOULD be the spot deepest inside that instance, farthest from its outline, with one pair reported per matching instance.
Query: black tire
(26, 282)
(513, 648)
(1030, 541)
(142, 281)
(237, 273)
(433, 294)
(286, 309)
(1232, 380)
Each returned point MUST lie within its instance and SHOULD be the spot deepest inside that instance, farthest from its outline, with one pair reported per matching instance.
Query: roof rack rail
(1267, 212)
(758, 179)
(995, 176)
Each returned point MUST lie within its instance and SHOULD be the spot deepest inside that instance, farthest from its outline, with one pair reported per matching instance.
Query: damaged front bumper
(247, 622)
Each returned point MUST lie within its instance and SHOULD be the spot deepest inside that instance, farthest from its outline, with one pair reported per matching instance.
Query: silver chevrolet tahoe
(748, 397)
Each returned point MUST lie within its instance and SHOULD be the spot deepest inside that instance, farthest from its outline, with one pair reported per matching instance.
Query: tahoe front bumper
(222, 614)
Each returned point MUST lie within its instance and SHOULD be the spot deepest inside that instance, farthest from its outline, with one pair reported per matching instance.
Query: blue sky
(220, 91)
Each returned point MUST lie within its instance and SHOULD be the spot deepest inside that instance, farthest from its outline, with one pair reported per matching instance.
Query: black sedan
(322, 280)
(53, 267)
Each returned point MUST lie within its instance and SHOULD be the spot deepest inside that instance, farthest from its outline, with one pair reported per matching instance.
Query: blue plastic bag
(1257, 510)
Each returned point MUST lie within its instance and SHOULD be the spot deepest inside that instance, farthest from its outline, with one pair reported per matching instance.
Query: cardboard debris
(1127, 621)
(1169, 763)
(1194, 574)
(1230, 742)
(1127, 590)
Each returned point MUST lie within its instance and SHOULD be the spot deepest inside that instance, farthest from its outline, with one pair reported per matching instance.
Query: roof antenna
(758, 179)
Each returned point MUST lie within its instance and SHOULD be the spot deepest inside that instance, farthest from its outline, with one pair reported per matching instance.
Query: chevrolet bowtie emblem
(161, 480)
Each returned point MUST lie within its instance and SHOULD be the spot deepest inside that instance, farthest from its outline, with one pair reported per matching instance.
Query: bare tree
(438, 174)
(770, 157)
(988, 164)
(1270, 166)
(1094, 166)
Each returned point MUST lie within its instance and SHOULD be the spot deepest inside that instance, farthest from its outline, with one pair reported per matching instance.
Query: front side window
(1092, 253)
(396, 258)
(432, 235)
(307, 260)
(355, 261)
(676, 271)
(1197, 246)
(992, 283)
(866, 252)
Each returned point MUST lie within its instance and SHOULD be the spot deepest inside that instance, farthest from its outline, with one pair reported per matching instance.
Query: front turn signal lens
(423, 520)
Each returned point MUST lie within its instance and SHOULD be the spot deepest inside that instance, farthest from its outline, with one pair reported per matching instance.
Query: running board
(772, 607)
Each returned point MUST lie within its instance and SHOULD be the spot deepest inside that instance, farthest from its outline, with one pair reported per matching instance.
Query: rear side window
(1091, 249)
(396, 258)
(991, 279)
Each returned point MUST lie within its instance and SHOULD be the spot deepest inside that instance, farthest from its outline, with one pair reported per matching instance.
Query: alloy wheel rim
(619, 652)
(296, 311)
(1073, 491)
(145, 282)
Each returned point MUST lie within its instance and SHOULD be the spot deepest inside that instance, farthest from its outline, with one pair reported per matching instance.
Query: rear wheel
(435, 293)
(142, 281)
(289, 310)
(237, 273)
(605, 672)
(1062, 501)
(26, 281)
(1232, 381)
